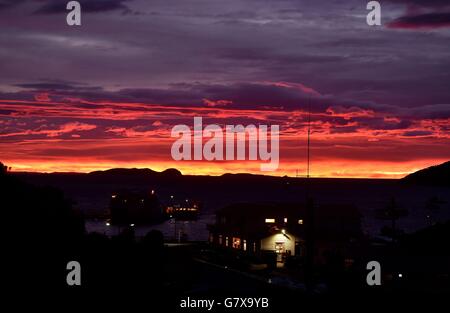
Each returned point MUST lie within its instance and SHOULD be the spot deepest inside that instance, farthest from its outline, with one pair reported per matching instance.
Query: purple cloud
(88, 6)
(427, 20)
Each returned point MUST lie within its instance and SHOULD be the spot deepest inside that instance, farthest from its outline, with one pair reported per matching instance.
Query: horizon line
(12, 170)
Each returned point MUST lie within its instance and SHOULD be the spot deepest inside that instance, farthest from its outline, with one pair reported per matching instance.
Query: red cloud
(356, 140)
(216, 103)
(348, 113)
(43, 97)
(49, 132)
(301, 87)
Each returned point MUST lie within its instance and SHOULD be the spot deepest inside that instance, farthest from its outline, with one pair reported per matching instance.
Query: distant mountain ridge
(136, 171)
(438, 175)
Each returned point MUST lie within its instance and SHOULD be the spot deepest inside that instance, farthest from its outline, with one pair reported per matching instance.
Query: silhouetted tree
(42, 229)
(3, 169)
(154, 239)
(152, 259)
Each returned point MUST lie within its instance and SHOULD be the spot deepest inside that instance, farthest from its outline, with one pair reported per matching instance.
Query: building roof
(249, 220)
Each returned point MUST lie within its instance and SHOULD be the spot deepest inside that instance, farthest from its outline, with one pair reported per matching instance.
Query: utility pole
(308, 141)
(309, 227)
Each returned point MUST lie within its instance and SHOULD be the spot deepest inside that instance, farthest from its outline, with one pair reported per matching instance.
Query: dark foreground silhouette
(44, 233)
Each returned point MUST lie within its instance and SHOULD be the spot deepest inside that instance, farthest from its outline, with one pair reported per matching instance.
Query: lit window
(270, 220)
(285, 219)
(236, 243)
(254, 247)
(220, 239)
(226, 241)
(300, 222)
(245, 245)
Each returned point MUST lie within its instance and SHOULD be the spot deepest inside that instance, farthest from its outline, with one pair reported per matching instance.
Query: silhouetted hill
(438, 175)
(173, 172)
(124, 172)
(136, 173)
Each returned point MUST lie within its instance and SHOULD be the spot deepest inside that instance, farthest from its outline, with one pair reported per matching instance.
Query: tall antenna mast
(309, 264)
(308, 144)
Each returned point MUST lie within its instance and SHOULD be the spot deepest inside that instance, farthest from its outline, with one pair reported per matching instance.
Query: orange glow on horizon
(329, 169)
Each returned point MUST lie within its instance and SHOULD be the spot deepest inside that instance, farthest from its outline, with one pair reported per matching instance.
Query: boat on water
(183, 210)
(129, 207)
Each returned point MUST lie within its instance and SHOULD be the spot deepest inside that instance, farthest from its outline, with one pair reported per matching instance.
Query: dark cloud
(58, 86)
(280, 96)
(46, 86)
(422, 14)
(432, 111)
(239, 53)
(88, 6)
(424, 3)
(343, 130)
(379, 123)
(427, 20)
(6, 112)
(5, 4)
(417, 133)
(239, 96)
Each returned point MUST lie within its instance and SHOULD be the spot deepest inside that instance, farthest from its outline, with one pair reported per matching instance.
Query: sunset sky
(107, 93)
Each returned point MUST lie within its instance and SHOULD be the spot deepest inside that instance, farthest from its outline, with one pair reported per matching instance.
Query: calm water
(171, 229)
(197, 230)
(92, 197)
